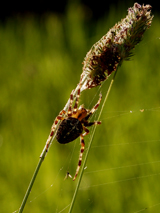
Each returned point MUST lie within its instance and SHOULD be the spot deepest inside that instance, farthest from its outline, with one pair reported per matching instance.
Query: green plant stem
(31, 182)
(85, 159)
(42, 157)
(89, 146)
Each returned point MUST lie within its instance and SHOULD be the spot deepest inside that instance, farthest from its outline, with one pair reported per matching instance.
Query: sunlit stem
(89, 146)
(31, 183)
(43, 155)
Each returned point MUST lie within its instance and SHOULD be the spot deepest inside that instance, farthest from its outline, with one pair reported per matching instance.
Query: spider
(73, 123)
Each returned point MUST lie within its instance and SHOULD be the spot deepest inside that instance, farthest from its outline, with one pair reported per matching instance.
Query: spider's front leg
(95, 107)
(81, 151)
(74, 111)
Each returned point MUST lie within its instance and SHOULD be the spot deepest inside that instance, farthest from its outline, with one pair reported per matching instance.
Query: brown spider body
(72, 127)
(73, 123)
(69, 129)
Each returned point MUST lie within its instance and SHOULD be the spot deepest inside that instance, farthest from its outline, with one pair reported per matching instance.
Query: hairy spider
(73, 123)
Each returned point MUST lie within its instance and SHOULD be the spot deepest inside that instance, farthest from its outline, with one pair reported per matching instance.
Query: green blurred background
(40, 64)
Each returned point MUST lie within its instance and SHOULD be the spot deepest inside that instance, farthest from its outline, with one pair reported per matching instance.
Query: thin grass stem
(42, 157)
(89, 146)
(31, 183)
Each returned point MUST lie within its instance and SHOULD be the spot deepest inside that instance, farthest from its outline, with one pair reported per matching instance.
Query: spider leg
(92, 123)
(80, 156)
(82, 150)
(94, 108)
(76, 101)
(69, 113)
(77, 98)
(59, 117)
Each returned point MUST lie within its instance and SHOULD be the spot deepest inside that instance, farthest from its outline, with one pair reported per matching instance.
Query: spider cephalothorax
(73, 123)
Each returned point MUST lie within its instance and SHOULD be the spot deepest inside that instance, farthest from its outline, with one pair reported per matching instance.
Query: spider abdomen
(69, 129)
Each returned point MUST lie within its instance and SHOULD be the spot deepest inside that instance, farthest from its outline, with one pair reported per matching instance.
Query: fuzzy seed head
(108, 53)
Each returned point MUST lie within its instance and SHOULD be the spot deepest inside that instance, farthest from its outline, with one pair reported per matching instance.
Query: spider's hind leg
(82, 150)
(80, 156)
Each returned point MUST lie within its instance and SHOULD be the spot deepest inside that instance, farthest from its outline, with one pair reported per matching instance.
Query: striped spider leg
(86, 124)
(61, 117)
(73, 123)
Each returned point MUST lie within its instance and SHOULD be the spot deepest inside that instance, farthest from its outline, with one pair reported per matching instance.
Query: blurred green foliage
(40, 64)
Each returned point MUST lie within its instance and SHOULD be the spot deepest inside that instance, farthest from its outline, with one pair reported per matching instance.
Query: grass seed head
(107, 54)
